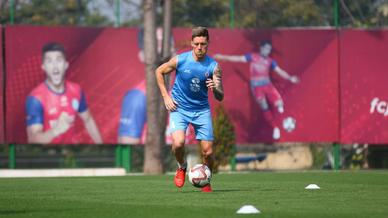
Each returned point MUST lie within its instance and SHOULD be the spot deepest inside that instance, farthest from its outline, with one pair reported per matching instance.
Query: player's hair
(265, 42)
(200, 31)
(53, 46)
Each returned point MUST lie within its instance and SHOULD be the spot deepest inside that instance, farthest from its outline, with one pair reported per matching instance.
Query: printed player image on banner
(52, 106)
(72, 96)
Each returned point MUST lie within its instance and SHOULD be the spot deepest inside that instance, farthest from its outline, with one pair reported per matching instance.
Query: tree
(364, 13)
(275, 13)
(188, 13)
(167, 26)
(52, 12)
(251, 13)
(156, 111)
(155, 135)
(215, 13)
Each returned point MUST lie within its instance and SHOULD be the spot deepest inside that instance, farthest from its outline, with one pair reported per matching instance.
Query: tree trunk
(166, 55)
(167, 22)
(153, 161)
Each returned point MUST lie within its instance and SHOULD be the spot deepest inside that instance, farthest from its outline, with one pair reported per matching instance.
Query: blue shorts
(201, 121)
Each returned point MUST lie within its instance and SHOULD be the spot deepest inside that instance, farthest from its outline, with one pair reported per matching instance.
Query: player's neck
(196, 58)
(265, 57)
(60, 88)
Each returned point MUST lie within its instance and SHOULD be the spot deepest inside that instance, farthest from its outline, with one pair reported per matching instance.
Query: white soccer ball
(200, 175)
(289, 124)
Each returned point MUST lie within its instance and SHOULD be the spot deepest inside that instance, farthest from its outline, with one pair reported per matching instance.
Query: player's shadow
(220, 190)
(250, 189)
(12, 212)
(231, 190)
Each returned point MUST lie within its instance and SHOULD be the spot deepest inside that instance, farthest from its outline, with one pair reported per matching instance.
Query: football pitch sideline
(274, 194)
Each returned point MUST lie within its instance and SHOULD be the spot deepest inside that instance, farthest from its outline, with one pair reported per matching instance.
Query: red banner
(364, 96)
(1, 88)
(105, 63)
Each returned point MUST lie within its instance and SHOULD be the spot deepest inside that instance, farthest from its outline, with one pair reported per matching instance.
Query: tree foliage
(364, 13)
(259, 14)
(52, 12)
(215, 13)
(279, 13)
(200, 13)
(224, 144)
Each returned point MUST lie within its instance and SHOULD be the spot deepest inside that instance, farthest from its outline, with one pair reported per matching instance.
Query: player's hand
(294, 79)
(170, 104)
(210, 84)
(64, 123)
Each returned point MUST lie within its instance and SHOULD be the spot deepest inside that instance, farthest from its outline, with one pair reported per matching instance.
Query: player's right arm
(285, 75)
(162, 70)
(35, 133)
(231, 58)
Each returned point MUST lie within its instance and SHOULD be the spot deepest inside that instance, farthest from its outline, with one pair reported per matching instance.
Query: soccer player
(52, 106)
(196, 73)
(265, 93)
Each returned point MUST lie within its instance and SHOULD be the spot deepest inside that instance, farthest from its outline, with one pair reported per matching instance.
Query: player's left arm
(285, 75)
(215, 84)
(91, 126)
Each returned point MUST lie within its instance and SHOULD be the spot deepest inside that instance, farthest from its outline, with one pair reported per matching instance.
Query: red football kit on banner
(44, 106)
(261, 84)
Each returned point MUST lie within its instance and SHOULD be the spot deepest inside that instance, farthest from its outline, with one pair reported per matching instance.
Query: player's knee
(279, 103)
(263, 104)
(208, 152)
(178, 139)
(279, 106)
(178, 143)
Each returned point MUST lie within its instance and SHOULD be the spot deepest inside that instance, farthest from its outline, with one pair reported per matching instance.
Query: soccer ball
(289, 124)
(200, 175)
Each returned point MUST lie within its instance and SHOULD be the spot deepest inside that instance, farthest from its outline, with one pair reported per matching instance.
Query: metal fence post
(118, 156)
(337, 156)
(12, 157)
(231, 9)
(126, 158)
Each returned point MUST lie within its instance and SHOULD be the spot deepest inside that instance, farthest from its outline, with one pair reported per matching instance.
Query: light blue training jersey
(190, 90)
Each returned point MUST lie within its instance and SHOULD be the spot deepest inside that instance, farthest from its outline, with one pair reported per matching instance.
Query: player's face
(55, 66)
(199, 45)
(265, 50)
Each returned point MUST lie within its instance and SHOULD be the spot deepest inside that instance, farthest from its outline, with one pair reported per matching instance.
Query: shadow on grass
(27, 211)
(10, 212)
(219, 190)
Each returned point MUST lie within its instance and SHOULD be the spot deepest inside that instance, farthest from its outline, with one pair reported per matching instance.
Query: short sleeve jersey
(133, 113)
(260, 67)
(44, 106)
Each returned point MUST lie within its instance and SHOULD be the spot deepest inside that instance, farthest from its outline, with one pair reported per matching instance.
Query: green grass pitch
(275, 194)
